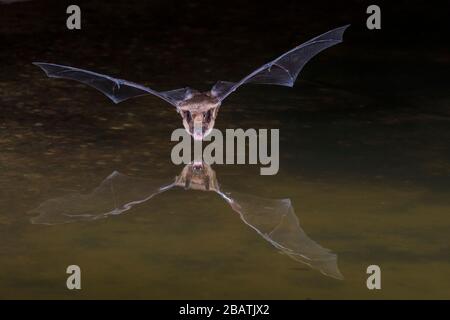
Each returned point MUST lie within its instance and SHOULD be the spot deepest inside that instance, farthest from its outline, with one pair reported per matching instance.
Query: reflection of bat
(272, 219)
(199, 109)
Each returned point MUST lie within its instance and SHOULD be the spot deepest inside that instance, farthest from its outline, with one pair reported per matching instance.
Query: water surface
(364, 161)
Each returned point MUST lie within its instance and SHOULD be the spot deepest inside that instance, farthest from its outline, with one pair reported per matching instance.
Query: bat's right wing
(116, 194)
(117, 90)
(276, 222)
(284, 70)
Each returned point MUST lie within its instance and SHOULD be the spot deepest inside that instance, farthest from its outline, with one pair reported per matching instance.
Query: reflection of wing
(276, 222)
(283, 70)
(117, 90)
(115, 195)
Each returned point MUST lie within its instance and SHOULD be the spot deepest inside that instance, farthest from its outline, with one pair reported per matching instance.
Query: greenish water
(372, 191)
(364, 156)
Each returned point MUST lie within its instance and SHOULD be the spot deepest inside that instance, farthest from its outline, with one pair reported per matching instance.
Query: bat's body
(199, 109)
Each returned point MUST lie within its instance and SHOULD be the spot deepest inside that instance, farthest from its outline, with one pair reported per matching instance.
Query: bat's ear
(220, 88)
(189, 93)
(178, 95)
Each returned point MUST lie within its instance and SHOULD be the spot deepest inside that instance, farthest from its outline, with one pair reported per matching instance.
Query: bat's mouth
(199, 125)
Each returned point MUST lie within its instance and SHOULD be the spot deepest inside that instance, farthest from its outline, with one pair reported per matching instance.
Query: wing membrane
(117, 90)
(276, 221)
(285, 69)
(115, 195)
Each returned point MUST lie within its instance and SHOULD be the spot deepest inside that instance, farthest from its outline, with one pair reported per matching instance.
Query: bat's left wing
(285, 69)
(276, 222)
(117, 90)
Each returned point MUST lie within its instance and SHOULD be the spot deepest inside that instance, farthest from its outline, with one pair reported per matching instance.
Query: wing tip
(340, 31)
(37, 64)
(336, 34)
(41, 65)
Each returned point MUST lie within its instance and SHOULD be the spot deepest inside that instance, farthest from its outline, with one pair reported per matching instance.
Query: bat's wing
(276, 222)
(117, 90)
(116, 194)
(283, 70)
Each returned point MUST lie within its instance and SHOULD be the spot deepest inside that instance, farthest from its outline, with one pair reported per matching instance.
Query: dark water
(364, 159)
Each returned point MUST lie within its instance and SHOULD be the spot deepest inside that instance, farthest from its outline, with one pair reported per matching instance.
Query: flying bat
(273, 219)
(199, 110)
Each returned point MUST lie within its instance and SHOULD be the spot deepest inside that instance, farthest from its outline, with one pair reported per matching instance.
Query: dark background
(221, 37)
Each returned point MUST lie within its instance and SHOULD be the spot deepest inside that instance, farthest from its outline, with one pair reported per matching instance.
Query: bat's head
(198, 177)
(199, 113)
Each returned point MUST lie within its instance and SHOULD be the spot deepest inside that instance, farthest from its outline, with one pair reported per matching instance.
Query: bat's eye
(187, 116)
(207, 116)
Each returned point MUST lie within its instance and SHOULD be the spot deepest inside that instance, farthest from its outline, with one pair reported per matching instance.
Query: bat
(273, 219)
(199, 110)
